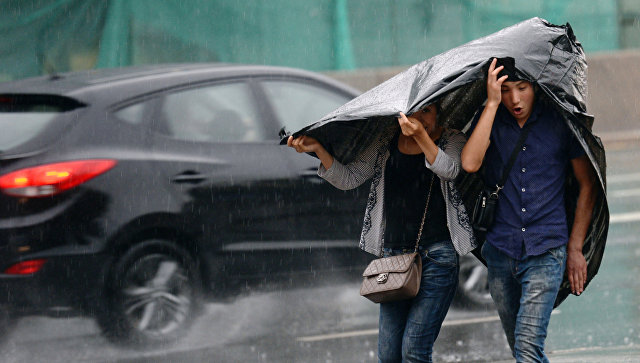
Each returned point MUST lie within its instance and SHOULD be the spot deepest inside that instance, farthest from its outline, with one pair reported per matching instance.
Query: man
(529, 244)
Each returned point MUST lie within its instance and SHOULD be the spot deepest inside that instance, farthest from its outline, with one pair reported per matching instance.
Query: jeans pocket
(444, 256)
(559, 253)
(482, 250)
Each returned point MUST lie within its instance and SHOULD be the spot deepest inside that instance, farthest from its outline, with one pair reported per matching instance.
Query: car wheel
(153, 295)
(473, 285)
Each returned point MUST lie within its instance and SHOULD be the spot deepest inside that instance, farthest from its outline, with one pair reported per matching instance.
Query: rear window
(24, 117)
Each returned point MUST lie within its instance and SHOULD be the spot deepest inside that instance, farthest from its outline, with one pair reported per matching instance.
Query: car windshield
(22, 118)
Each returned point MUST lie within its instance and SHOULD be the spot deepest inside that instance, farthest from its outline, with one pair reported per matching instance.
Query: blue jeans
(524, 292)
(408, 328)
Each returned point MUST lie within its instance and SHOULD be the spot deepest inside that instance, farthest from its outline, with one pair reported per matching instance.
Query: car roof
(110, 85)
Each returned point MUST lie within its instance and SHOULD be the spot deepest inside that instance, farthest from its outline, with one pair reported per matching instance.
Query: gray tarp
(546, 54)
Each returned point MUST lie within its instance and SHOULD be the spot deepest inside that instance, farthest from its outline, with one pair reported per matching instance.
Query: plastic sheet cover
(546, 54)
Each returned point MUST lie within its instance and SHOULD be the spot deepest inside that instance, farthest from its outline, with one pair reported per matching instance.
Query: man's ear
(536, 90)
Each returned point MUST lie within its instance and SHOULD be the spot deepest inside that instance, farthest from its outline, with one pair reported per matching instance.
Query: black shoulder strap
(514, 155)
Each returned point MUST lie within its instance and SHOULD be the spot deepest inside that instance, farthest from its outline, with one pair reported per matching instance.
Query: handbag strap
(424, 215)
(512, 159)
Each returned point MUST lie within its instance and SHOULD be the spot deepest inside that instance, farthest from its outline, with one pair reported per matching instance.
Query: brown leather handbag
(395, 278)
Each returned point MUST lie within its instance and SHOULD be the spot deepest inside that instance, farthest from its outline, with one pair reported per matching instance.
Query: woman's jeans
(408, 328)
(524, 292)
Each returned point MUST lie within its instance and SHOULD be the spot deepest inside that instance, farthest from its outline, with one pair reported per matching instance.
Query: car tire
(473, 285)
(153, 295)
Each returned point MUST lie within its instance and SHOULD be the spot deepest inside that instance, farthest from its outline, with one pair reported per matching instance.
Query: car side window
(220, 113)
(299, 104)
(132, 114)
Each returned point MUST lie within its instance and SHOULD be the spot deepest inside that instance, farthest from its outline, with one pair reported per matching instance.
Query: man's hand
(494, 84)
(303, 144)
(410, 126)
(576, 264)
(576, 270)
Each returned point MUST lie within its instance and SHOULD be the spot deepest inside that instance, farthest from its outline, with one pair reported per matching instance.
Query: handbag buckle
(382, 278)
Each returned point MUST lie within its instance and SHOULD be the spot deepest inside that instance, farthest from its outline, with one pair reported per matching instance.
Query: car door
(231, 177)
(329, 219)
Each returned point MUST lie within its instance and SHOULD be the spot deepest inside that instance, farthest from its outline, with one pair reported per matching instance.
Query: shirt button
(523, 190)
(524, 229)
(524, 209)
(524, 148)
(523, 170)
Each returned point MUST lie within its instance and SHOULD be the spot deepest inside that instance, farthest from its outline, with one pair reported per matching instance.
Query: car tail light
(25, 267)
(50, 179)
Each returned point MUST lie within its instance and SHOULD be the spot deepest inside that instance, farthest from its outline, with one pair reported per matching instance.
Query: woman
(409, 166)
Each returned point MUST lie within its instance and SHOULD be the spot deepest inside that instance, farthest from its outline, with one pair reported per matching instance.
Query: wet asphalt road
(334, 324)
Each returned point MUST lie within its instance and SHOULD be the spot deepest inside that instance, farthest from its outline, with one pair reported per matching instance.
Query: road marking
(592, 349)
(624, 193)
(288, 245)
(622, 178)
(357, 333)
(624, 217)
(626, 135)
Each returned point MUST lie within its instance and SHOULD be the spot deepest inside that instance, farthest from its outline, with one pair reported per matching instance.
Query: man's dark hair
(509, 69)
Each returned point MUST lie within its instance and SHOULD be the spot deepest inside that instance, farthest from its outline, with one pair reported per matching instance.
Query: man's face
(518, 98)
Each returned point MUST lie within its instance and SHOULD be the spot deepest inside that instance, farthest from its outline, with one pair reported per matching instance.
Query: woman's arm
(306, 144)
(341, 176)
(410, 126)
(447, 163)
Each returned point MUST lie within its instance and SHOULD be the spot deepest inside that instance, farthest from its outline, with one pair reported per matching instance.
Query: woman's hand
(303, 144)
(307, 144)
(494, 84)
(410, 126)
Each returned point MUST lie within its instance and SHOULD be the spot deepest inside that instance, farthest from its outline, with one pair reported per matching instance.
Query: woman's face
(427, 117)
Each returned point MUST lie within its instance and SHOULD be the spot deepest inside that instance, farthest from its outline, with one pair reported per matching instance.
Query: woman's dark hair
(436, 104)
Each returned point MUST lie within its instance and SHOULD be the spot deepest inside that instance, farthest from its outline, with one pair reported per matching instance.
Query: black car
(131, 194)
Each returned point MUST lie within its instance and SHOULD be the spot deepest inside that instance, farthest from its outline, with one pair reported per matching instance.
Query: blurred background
(361, 43)
(47, 36)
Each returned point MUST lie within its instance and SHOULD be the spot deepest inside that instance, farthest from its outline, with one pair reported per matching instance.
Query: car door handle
(312, 176)
(189, 177)
(309, 172)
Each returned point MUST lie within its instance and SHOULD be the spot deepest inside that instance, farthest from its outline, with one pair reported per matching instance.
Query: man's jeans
(524, 292)
(409, 328)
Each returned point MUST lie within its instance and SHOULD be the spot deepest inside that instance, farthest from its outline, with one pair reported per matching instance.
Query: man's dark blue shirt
(531, 217)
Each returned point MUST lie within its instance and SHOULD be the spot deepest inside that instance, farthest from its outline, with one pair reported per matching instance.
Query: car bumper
(63, 283)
